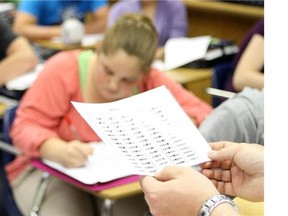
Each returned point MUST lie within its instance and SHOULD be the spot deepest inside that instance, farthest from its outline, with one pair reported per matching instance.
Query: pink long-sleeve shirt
(42, 111)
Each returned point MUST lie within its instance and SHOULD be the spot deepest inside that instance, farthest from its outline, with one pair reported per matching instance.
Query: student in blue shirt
(42, 19)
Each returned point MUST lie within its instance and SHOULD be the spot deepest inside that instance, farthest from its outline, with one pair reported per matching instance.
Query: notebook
(104, 165)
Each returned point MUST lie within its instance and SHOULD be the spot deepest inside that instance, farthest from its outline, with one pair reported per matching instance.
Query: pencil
(72, 128)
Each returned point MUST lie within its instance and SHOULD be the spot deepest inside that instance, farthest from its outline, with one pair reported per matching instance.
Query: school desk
(109, 192)
(195, 80)
(50, 44)
(2, 108)
(111, 195)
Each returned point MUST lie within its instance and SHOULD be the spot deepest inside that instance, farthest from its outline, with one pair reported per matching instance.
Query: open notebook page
(150, 130)
(104, 165)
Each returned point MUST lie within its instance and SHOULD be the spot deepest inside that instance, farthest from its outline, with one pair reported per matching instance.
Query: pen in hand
(79, 152)
(72, 128)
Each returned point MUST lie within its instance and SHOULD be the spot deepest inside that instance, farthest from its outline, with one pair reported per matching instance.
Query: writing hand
(76, 154)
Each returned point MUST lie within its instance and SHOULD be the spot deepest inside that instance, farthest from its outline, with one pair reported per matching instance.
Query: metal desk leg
(107, 207)
(40, 194)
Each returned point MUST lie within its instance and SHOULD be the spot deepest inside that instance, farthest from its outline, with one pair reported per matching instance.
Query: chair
(8, 205)
(221, 81)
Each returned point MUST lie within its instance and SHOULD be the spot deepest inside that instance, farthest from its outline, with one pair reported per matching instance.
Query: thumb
(171, 172)
(224, 154)
(147, 181)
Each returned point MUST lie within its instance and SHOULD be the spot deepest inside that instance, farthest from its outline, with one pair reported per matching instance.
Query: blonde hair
(136, 35)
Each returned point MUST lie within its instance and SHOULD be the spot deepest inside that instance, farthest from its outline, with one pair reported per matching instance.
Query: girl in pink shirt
(41, 128)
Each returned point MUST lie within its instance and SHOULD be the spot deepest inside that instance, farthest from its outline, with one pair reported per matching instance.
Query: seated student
(16, 55)
(41, 19)
(236, 170)
(238, 119)
(169, 17)
(249, 61)
(119, 69)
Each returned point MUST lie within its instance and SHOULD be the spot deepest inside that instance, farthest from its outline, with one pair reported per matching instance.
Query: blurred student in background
(238, 119)
(236, 169)
(42, 19)
(249, 62)
(16, 55)
(121, 68)
(169, 17)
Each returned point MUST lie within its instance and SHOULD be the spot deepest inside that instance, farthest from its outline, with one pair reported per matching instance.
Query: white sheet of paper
(91, 39)
(181, 51)
(104, 165)
(6, 6)
(24, 81)
(150, 129)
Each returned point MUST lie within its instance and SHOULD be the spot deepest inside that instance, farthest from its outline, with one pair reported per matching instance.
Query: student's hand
(237, 169)
(177, 191)
(76, 154)
(159, 54)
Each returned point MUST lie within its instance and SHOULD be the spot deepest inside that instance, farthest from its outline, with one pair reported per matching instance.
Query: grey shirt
(239, 119)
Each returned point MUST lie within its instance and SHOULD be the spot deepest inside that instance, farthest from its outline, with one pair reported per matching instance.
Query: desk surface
(121, 191)
(187, 75)
(2, 108)
(195, 80)
(60, 46)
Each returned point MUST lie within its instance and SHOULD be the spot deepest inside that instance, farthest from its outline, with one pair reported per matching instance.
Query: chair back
(8, 206)
(222, 79)
(8, 118)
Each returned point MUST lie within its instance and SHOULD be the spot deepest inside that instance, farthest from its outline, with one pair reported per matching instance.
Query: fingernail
(211, 152)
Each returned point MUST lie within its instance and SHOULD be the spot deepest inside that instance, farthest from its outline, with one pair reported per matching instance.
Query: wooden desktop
(111, 195)
(50, 44)
(195, 80)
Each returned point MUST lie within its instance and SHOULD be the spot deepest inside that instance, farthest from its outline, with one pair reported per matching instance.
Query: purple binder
(96, 187)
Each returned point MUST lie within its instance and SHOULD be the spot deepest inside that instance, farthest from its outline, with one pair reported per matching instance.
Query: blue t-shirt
(55, 12)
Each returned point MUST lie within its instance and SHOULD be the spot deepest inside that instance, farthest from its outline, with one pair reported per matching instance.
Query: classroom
(132, 108)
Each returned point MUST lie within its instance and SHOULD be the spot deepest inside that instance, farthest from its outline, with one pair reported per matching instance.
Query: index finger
(221, 144)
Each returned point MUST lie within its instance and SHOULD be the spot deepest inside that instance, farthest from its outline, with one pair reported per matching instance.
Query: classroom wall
(221, 19)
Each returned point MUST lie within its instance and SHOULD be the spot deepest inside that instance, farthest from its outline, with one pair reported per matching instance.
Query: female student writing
(41, 129)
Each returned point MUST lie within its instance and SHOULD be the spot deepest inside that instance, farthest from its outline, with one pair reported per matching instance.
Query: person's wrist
(225, 209)
(213, 202)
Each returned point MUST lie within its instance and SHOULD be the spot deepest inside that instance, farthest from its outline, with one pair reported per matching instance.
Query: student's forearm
(33, 32)
(15, 65)
(52, 149)
(252, 79)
